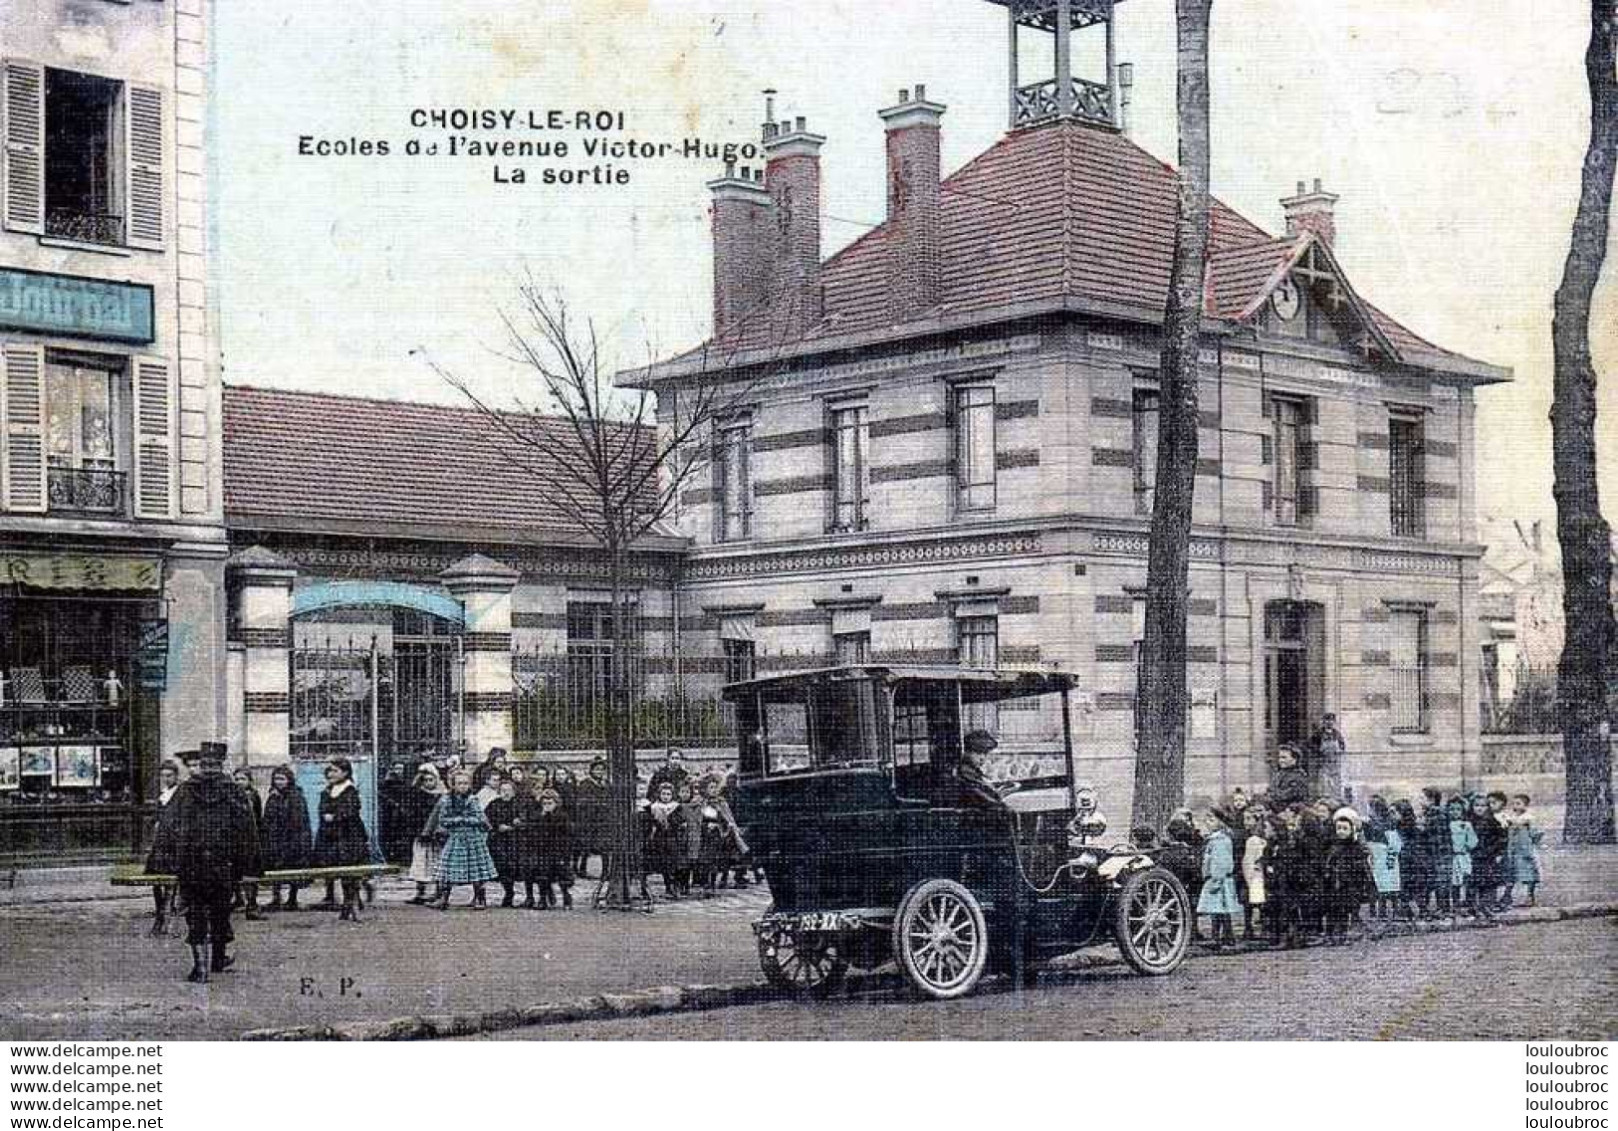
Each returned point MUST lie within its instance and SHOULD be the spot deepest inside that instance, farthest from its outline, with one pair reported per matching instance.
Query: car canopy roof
(978, 685)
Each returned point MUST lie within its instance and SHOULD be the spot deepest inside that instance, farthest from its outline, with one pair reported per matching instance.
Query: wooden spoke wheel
(1153, 925)
(941, 939)
(807, 964)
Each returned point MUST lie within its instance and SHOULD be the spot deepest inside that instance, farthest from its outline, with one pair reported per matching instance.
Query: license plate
(810, 921)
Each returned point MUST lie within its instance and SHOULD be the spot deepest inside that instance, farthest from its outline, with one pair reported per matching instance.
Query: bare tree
(616, 467)
(1162, 698)
(1587, 671)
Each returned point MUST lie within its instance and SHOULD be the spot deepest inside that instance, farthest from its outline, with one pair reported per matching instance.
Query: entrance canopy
(346, 594)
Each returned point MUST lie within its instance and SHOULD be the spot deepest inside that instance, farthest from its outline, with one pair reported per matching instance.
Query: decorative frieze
(267, 703)
(486, 641)
(1380, 561)
(487, 701)
(883, 556)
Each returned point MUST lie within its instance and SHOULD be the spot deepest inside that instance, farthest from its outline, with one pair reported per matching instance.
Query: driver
(974, 784)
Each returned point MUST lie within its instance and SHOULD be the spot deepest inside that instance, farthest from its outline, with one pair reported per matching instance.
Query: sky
(1453, 132)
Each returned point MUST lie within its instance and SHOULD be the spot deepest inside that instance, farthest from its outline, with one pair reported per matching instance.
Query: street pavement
(1557, 980)
(79, 964)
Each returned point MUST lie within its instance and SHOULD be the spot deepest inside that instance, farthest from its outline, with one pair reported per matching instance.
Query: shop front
(83, 665)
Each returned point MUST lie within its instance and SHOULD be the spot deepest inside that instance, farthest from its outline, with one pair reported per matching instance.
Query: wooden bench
(136, 876)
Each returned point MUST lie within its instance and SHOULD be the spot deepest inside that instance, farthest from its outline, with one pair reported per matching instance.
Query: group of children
(1306, 870)
(690, 837)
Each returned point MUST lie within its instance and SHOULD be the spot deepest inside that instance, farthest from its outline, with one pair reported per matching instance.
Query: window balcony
(87, 490)
(85, 227)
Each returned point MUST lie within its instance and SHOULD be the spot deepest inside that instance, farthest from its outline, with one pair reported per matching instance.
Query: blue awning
(390, 594)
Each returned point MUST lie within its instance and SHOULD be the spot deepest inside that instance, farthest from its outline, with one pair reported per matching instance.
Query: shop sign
(152, 656)
(75, 307)
(80, 572)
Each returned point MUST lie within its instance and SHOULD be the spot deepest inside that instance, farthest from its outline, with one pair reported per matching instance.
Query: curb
(701, 998)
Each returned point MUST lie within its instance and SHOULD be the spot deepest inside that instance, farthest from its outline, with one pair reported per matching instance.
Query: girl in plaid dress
(459, 822)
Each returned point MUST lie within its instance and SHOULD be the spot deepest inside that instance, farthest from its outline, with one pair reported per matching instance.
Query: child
(505, 822)
(465, 856)
(691, 871)
(1489, 857)
(1254, 845)
(1522, 849)
(1218, 900)
(664, 838)
(553, 842)
(1386, 846)
(285, 829)
(428, 788)
(722, 840)
(1463, 838)
(1434, 900)
(1415, 870)
(1346, 876)
(1287, 879)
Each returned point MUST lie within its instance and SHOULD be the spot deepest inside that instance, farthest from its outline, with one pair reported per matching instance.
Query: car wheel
(1153, 924)
(941, 939)
(811, 965)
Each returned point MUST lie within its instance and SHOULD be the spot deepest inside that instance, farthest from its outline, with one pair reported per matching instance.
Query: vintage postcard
(964, 519)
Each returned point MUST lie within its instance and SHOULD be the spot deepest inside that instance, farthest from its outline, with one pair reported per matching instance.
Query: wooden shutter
(156, 473)
(24, 117)
(24, 410)
(144, 176)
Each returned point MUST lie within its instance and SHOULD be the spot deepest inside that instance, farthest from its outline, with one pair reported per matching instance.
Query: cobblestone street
(1554, 980)
(79, 964)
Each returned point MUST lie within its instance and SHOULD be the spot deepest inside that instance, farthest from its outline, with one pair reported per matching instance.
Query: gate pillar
(261, 589)
(483, 586)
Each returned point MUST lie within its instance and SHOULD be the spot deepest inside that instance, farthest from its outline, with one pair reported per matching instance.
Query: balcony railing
(1092, 102)
(88, 490)
(85, 227)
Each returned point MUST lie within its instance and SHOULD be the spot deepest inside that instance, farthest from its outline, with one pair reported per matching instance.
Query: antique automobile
(859, 790)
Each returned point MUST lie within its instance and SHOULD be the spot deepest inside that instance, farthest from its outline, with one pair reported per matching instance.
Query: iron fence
(1520, 700)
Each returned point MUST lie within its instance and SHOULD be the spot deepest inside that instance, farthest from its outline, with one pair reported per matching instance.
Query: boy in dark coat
(1345, 876)
(1288, 880)
(1489, 857)
(212, 845)
(591, 806)
(505, 815)
(553, 844)
(1435, 847)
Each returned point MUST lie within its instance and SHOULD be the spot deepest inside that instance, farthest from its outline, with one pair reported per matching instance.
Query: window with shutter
(24, 172)
(23, 407)
(850, 447)
(155, 472)
(974, 447)
(145, 175)
(1145, 414)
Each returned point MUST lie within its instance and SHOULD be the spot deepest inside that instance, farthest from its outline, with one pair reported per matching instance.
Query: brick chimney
(792, 179)
(914, 214)
(743, 241)
(1312, 211)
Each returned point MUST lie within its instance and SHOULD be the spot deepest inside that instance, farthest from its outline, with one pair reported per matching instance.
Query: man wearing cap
(211, 846)
(972, 781)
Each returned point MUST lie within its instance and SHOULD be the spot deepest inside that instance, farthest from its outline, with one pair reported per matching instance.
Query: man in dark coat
(211, 846)
(672, 772)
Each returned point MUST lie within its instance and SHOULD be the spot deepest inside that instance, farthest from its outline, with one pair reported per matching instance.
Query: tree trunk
(1587, 670)
(1161, 697)
(620, 744)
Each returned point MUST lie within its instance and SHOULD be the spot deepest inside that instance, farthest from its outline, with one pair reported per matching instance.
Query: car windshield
(801, 728)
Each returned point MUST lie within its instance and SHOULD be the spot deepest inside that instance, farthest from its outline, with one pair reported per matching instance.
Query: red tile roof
(318, 461)
(1060, 212)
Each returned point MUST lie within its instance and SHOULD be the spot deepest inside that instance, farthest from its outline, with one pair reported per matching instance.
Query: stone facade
(111, 509)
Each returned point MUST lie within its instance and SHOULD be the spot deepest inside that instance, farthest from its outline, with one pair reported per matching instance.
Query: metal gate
(353, 700)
